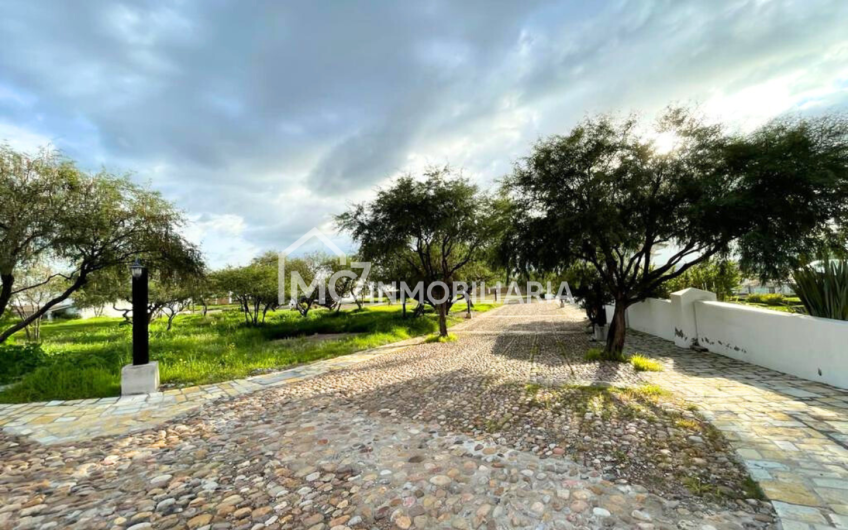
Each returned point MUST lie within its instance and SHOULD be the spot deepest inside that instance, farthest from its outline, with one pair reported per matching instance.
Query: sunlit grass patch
(643, 364)
(439, 338)
(651, 390)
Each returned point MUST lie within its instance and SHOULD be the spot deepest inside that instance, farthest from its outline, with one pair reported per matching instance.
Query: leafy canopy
(51, 210)
(437, 225)
(605, 194)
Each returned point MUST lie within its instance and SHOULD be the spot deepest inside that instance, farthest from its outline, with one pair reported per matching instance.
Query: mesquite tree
(253, 286)
(50, 210)
(438, 225)
(605, 194)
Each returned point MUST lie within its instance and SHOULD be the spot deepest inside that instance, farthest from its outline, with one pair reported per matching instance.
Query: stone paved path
(82, 419)
(366, 446)
(791, 433)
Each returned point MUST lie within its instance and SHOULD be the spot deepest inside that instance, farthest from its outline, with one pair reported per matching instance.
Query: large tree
(438, 224)
(52, 211)
(607, 195)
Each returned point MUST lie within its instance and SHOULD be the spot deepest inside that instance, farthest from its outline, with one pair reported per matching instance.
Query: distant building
(756, 287)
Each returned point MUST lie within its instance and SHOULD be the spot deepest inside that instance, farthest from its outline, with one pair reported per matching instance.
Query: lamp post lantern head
(136, 268)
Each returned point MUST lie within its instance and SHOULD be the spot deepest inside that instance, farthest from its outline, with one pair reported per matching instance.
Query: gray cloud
(273, 117)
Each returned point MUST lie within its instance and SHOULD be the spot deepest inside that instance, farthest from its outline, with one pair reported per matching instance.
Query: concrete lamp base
(140, 379)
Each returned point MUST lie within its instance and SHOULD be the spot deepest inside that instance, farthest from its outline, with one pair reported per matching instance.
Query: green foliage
(587, 287)
(643, 364)
(83, 358)
(594, 355)
(438, 225)
(791, 194)
(823, 287)
(17, 360)
(255, 286)
(773, 299)
(52, 211)
(718, 276)
(604, 194)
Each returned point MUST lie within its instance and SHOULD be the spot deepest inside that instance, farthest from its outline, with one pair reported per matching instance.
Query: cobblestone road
(339, 445)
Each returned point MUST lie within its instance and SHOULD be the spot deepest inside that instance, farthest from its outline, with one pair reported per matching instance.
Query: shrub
(643, 364)
(823, 288)
(773, 299)
(754, 299)
(17, 360)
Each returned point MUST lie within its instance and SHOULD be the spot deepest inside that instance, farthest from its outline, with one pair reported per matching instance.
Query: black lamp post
(141, 349)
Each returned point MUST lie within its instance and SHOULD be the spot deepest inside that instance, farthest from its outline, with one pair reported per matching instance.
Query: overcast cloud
(262, 119)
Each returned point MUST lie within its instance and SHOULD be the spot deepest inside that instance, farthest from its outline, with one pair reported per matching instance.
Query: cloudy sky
(262, 119)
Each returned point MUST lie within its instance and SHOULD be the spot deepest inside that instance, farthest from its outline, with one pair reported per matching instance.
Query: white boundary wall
(809, 347)
(653, 317)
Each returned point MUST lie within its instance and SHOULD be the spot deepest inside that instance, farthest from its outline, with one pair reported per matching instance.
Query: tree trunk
(246, 309)
(8, 281)
(615, 336)
(403, 305)
(443, 320)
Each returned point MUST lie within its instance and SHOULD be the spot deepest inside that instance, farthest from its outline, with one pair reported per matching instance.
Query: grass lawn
(84, 357)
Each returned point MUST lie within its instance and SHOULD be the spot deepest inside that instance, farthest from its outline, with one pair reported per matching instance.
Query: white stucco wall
(801, 345)
(653, 316)
(809, 347)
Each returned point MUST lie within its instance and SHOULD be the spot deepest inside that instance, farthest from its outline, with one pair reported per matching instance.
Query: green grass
(438, 338)
(593, 355)
(597, 355)
(753, 490)
(84, 357)
(643, 364)
(651, 391)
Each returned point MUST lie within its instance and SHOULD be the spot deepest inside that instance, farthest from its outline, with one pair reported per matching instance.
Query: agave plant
(822, 287)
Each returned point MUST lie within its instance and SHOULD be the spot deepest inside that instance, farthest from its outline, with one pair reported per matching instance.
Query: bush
(774, 299)
(823, 288)
(754, 299)
(17, 360)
